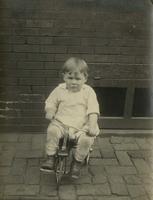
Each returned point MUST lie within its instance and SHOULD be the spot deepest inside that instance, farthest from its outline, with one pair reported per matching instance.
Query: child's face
(74, 81)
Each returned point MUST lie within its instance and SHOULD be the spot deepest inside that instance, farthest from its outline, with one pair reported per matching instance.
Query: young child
(72, 104)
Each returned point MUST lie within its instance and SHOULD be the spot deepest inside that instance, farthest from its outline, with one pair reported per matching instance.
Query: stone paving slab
(121, 168)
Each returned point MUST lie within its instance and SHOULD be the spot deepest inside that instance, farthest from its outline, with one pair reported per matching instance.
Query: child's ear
(85, 79)
(63, 76)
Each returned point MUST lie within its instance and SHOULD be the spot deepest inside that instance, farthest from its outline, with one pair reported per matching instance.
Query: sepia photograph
(76, 99)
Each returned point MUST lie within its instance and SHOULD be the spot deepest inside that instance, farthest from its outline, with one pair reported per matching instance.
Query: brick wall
(37, 36)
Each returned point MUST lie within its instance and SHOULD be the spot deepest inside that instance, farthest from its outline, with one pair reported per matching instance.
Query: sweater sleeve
(51, 104)
(92, 103)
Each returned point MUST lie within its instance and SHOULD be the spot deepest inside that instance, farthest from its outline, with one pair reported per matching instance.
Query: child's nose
(74, 81)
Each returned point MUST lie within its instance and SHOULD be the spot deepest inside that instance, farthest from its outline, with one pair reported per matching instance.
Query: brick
(123, 158)
(95, 170)
(132, 179)
(66, 41)
(116, 140)
(54, 80)
(32, 175)
(87, 189)
(95, 153)
(106, 148)
(34, 73)
(38, 141)
(118, 188)
(30, 65)
(146, 179)
(86, 198)
(143, 197)
(120, 170)
(48, 31)
(4, 171)
(107, 50)
(99, 178)
(53, 49)
(28, 128)
(32, 113)
(26, 121)
(136, 154)
(108, 153)
(94, 41)
(67, 192)
(7, 112)
(143, 144)
(23, 146)
(53, 65)
(31, 81)
(78, 49)
(27, 31)
(113, 197)
(26, 48)
(12, 39)
(149, 141)
(21, 189)
(117, 185)
(47, 179)
(6, 128)
(41, 57)
(1, 191)
(141, 166)
(29, 154)
(126, 147)
(31, 97)
(13, 179)
(40, 40)
(24, 88)
(6, 158)
(96, 161)
(33, 162)
(146, 154)
(25, 105)
(9, 137)
(128, 140)
(109, 161)
(47, 190)
(115, 178)
(18, 167)
(25, 138)
(136, 190)
(6, 48)
(39, 23)
(83, 179)
(148, 189)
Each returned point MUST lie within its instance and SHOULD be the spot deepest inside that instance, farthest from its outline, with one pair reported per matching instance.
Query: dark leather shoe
(48, 165)
(75, 169)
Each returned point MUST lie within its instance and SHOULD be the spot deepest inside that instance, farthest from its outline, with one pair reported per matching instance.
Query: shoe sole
(74, 177)
(46, 170)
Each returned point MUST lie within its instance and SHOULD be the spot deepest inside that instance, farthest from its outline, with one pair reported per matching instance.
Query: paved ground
(121, 168)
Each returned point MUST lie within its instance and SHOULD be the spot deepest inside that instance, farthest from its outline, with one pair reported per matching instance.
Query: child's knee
(53, 132)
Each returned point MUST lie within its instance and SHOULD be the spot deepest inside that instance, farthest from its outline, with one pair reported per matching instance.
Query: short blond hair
(75, 64)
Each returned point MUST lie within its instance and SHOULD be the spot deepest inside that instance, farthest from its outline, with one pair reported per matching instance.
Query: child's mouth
(73, 86)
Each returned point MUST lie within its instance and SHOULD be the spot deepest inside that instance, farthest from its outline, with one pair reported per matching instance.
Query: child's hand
(92, 130)
(72, 133)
